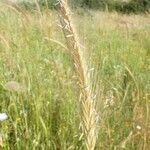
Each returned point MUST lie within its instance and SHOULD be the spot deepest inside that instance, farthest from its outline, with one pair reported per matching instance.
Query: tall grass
(46, 114)
(88, 115)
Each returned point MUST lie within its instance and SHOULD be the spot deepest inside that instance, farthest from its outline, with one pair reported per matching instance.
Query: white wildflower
(3, 116)
(138, 127)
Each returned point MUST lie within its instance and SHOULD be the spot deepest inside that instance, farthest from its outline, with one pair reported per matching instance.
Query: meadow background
(45, 115)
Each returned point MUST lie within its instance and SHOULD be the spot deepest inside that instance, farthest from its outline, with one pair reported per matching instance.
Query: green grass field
(46, 115)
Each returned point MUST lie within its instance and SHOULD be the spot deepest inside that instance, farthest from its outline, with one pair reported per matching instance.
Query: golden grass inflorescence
(87, 102)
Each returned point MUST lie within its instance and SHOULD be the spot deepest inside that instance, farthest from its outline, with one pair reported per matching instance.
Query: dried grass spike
(87, 103)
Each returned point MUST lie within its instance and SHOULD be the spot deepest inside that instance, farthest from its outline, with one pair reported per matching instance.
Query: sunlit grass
(46, 114)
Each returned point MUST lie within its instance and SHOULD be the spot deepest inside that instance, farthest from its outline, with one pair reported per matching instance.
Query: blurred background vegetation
(124, 6)
(32, 52)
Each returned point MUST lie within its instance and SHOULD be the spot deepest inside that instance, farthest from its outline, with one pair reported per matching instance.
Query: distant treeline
(125, 6)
